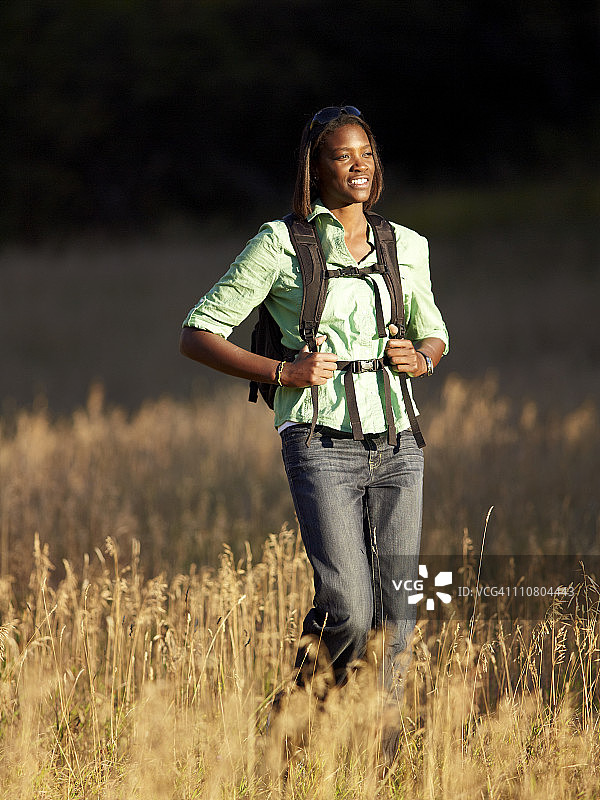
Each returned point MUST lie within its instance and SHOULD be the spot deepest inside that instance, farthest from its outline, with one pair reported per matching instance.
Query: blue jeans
(359, 505)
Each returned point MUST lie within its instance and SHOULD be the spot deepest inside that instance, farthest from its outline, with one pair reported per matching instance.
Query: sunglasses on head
(330, 113)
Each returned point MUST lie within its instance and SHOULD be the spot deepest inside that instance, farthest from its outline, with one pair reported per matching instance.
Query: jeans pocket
(297, 456)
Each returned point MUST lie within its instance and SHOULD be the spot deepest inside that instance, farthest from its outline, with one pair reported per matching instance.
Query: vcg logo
(441, 579)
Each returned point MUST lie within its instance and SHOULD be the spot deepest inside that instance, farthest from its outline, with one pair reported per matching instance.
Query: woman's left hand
(403, 357)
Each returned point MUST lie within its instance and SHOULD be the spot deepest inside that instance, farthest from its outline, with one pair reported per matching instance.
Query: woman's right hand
(309, 369)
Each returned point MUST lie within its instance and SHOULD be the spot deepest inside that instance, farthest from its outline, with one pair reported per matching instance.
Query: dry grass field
(127, 673)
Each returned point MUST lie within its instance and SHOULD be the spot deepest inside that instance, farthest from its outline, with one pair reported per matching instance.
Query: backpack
(266, 336)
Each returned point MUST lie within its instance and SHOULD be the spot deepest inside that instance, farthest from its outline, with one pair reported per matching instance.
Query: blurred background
(143, 142)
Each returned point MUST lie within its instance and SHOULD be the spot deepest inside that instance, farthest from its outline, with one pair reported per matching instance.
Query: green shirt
(267, 269)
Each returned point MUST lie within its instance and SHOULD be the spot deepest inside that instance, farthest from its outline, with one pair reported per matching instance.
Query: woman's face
(345, 167)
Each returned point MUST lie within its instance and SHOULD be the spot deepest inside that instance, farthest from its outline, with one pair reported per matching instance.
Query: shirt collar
(318, 208)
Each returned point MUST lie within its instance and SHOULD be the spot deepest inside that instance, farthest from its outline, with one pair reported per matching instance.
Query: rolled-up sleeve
(243, 287)
(424, 317)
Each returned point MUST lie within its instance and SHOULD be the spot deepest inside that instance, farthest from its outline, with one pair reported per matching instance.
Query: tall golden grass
(115, 684)
(185, 478)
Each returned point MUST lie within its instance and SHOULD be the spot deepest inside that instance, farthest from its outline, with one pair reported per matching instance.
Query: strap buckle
(308, 331)
(350, 272)
(372, 365)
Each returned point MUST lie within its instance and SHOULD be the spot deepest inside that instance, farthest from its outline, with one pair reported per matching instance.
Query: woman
(358, 501)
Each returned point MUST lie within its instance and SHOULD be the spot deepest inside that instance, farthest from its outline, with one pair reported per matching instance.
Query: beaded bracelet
(278, 372)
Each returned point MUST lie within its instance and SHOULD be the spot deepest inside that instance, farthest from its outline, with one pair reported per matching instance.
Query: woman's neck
(353, 219)
(355, 229)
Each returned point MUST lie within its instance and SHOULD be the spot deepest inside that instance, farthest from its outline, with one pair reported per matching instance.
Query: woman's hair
(306, 189)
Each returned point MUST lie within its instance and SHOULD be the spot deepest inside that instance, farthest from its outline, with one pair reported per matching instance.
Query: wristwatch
(429, 363)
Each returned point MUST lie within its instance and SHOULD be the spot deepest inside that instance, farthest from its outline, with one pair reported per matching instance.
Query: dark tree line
(117, 112)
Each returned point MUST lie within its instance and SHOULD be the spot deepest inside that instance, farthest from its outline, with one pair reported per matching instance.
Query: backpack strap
(387, 253)
(314, 276)
(313, 267)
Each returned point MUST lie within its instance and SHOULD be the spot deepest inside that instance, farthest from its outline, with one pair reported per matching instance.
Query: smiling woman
(357, 482)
